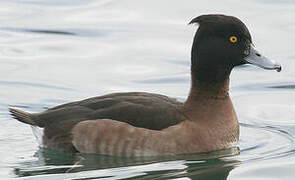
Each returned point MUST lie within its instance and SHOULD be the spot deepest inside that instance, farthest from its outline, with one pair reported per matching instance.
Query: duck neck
(208, 90)
(209, 95)
(209, 82)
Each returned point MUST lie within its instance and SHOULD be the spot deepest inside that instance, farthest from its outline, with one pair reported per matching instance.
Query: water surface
(57, 51)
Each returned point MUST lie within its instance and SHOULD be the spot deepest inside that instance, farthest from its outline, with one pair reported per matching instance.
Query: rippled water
(57, 51)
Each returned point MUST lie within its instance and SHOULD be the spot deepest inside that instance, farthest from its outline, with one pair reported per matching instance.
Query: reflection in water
(284, 86)
(164, 80)
(29, 84)
(69, 32)
(213, 165)
(267, 86)
(45, 31)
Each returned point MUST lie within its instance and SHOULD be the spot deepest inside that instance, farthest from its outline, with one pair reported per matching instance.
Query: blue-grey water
(57, 51)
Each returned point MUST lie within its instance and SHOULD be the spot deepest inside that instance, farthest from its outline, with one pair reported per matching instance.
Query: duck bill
(255, 58)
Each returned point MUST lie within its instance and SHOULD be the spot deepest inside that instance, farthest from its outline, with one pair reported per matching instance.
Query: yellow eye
(233, 39)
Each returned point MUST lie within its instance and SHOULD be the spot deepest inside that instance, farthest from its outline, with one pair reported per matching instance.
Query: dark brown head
(221, 43)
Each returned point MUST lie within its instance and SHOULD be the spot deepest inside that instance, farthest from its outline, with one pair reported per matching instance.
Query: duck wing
(139, 109)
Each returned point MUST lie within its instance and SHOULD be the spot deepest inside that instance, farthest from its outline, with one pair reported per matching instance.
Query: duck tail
(22, 116)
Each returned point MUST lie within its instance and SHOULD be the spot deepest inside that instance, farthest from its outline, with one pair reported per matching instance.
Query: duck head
(221, 43)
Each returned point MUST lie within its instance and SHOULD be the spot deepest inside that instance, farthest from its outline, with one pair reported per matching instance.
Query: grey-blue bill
(259, 60)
